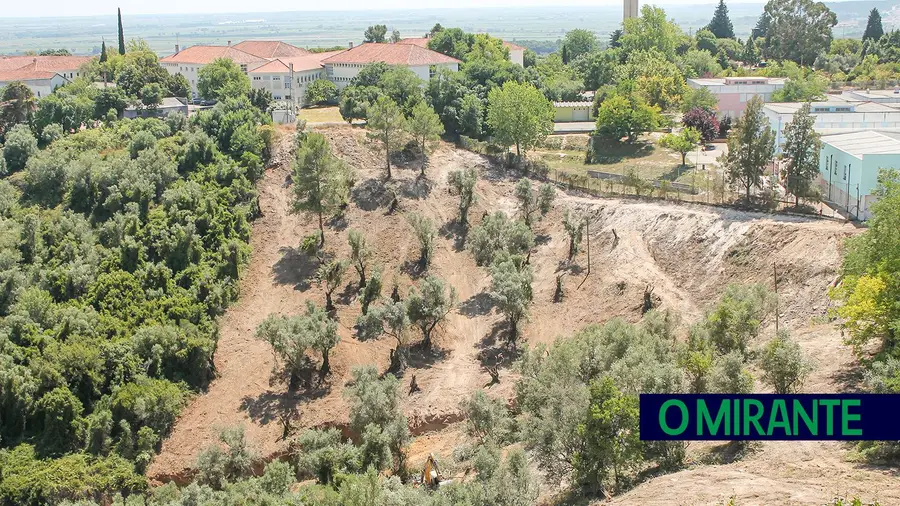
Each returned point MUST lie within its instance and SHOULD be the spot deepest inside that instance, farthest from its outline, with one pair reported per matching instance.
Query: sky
(13, 8)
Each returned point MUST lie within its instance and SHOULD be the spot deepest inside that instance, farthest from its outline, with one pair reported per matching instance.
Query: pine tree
(751, 52)
(565, 55)
(721, 24)
(103, 55)
(874, 30)
(121, 34)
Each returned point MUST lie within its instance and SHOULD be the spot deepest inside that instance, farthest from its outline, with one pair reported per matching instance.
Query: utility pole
(775, 272)
(587, 226)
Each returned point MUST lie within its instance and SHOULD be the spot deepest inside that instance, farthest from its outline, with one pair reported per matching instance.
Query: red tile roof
(43, 63)
(312, 61)
(203, 55)
(270, 48)
(416, 41)
(512, 47)
(25, 75)
(392, 54)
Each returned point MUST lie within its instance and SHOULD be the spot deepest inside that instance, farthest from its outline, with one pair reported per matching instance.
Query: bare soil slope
(686, 254)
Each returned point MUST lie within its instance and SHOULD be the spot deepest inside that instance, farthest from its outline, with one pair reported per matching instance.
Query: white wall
(42, 87)
(517, 56)
(191, 70)
(275, 84)
(342, 73)
(836, 122)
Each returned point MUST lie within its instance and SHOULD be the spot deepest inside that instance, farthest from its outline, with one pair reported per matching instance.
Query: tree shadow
(455, 231)
(338, 222)
(497, 336)
(348, 294)
(415, 269)
(849, 379)
(541, 239)
(479, 304)
(370, 194)
(273, 405)
(295, 268)
(417, 188)
(568, 267)
(421, 358)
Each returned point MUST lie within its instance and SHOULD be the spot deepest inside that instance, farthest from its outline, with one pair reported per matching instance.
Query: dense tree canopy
(798, 30)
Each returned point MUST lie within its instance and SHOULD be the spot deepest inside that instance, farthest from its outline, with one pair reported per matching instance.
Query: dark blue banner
(697, 417)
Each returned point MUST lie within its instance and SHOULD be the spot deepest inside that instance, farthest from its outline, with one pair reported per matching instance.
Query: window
(287, 85)
(244, 68)
(845, 173)
(257, 78)
(276, 78)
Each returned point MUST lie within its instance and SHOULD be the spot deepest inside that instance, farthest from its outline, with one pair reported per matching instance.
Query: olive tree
(331, 274)
(424, 230)
(428, 306)
(784, 365)
(534, 206)
(497, 234)
(511, 280)
(463, 183)
(360, 254)
(574, 223)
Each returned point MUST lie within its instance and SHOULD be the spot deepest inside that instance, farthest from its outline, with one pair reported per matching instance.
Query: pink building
(733, 93)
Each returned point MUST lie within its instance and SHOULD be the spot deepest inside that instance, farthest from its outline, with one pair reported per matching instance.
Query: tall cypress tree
(121, 34)
(720, 25)
(103, 55)
(874, 30)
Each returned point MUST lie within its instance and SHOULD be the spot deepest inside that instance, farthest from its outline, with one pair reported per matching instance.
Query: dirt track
(688, 254)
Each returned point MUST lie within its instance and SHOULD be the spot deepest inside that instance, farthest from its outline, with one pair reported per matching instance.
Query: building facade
(565, 112)
(835, 117)
(733, 93)
(343, 67)
(849, 164)
(42, 74)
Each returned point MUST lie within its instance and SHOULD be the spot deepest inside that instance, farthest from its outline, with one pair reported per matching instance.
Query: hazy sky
(17, 8)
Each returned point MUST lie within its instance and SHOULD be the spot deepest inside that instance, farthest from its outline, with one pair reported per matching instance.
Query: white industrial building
(836, 116)
(733, 93)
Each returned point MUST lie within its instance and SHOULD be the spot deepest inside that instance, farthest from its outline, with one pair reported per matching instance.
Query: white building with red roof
(190, 60)
(344, 66)
(516, 53)
(288, 78)
(42, 74)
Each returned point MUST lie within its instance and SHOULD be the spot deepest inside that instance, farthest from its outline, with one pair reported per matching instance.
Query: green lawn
(321, 115)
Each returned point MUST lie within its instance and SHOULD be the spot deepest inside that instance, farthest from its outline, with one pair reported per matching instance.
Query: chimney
(351, 44)
(177, 49)
(229, 43)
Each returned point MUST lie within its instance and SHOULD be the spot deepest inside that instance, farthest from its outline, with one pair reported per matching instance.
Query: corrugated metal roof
(863, 143)
(572, 104)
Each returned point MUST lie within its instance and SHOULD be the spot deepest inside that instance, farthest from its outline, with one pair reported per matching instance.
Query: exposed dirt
(687, 254)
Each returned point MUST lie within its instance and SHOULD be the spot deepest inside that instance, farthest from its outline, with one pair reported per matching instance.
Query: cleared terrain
(686, 254)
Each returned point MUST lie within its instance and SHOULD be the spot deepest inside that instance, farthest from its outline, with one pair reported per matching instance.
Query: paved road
(574, 127)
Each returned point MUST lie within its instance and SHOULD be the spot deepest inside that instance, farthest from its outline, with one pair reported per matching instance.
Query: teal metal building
(849, 165)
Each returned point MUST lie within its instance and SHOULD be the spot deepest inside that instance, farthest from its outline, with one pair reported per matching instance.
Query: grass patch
(321, 115)
(645, 158)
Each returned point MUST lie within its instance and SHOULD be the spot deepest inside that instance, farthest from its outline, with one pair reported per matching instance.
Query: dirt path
(687, 254)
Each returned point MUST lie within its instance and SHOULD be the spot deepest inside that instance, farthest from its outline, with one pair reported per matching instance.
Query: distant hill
(82, 35)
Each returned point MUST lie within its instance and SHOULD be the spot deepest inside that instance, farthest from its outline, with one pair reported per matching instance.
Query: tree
(798, 30)
(17, 105)
(331, 274)
(423, 228)
(372, 290)
(682, 143)
(62, 419)
(321, 91)
(261, 99)
(751, 145)
(703, 121)
(801, 148)
(497, 235)
(487, 418)
(463, 183)
(375, 33)
(121, 35)
(565, 55)
(386, 125)
(700, 98)
(219, 466)
(428, 306)
(20, 146)
(612, 445)
(375, 413)
(519, 115)
(578, 42)
(395, 36)
(320, 180)
(533, 206)
(874, 30)
(784, 365)
(511, 280)
(151, 95)
(360, 255)
(738, 316)
(574, 224)
(292, 336)
(425, 127)
(869, 289)
(391, 319)
(103, 56)
(720, 25)
(626, 117)
(651, 30)
(729, 376)
(222, 79)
